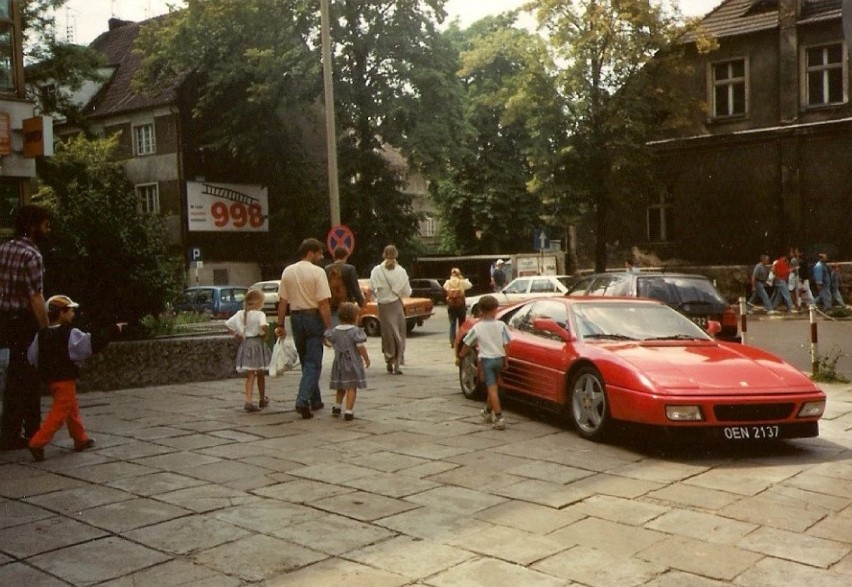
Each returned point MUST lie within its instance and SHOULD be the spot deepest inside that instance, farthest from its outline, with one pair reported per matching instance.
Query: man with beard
(22, 315)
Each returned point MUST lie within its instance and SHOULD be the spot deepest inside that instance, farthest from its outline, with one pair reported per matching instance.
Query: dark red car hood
(703, 368)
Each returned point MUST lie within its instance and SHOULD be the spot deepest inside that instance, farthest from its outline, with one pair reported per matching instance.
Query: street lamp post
(330, 133)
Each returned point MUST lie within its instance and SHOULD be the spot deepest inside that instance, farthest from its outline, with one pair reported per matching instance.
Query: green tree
(263, 56)
(104, 252)
(492, 197)
(610, 54)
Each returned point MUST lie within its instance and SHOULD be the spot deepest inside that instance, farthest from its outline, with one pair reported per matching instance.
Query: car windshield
(624, 321)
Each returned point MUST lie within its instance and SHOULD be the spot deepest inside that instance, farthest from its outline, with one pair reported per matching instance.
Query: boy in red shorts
(56, 352)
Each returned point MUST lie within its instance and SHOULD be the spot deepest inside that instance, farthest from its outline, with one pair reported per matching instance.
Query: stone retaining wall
(145, 363)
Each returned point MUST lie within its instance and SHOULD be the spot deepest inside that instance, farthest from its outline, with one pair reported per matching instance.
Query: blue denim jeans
(308, 329)
(783, 292)
(760, 292)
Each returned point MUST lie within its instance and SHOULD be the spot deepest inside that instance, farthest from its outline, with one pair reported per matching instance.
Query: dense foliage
(103, 251)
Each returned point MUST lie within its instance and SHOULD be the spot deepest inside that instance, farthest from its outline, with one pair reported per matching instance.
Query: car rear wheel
(469, 381)
(371, 326)
(588, 404)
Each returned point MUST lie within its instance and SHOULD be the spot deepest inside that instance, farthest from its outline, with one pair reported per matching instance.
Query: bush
(168, 323)
(825, 368)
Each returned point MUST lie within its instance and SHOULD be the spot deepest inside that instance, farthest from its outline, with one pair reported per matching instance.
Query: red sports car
(609, 360)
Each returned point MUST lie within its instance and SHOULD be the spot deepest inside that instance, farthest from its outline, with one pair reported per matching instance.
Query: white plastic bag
(284, 357)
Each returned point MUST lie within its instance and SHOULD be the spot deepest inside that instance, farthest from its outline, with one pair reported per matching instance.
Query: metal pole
(330, 133)
(744, 320)
(812, 313)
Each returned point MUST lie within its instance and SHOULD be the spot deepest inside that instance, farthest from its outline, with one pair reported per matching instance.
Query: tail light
(730, 319)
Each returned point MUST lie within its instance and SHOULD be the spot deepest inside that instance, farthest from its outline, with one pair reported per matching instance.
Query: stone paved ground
(184, 488)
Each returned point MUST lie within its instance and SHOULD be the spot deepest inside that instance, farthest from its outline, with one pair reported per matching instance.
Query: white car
(270, 294)
(524, 288)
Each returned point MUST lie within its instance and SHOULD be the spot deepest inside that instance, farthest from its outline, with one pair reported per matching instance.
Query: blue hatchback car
(221, 301)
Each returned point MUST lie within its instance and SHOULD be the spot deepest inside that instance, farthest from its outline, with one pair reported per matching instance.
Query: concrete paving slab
(222, 471)
(108, 471)
(616, 486)
(717, 561)
(430, 523)
(264, 516)
(489, 571)
(134, 449)
(428, 469)
(547, 471)
(21, 574)
(15, 513)
(176, 461)
(409, 557)
(681, 579)
(773, 571)
(129, 515)
(175, 572)
(77, 499)
(599, 569)
(386, 461)
(477, 477)
(691, 496)
(777, 510)
(335, 571)
(97, 561)
(456, 499)
(14, 486)
(809, 550)
(257, 558)
(545, 493)
(45, 535)
(619, 540)
(206, 498)
(530, 517)
(391, 485)
(363, 506)
(658, 471)
(617, 509)
(339, 473)
(742, 480)
(430, 451)
(302, 491)
(509, 544)
(837, 486)
(154, 483)
(187, 535)
(701, 526)
(333, 534)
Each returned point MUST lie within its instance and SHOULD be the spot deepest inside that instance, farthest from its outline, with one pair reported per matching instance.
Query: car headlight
(812, 409)
(684, 413)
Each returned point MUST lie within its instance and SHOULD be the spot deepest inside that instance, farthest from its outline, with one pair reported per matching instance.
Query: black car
(428, 288)
(694, 296)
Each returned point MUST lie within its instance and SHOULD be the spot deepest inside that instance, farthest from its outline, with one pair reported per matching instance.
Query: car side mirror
(550, 325)
(714, 327)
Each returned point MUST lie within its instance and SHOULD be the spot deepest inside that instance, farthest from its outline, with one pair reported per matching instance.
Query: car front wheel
(588, 404)
(371, 326)
(469, 381)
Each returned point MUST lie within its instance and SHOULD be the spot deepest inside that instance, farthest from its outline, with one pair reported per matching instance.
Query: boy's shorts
(491, 370)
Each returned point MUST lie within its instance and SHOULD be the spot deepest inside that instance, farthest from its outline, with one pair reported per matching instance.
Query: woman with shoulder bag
(390, 284)
(455, 287)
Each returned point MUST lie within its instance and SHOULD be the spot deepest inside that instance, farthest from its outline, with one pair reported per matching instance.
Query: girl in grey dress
(348, 372)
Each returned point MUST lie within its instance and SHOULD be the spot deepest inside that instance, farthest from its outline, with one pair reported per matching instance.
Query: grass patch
(825, 368)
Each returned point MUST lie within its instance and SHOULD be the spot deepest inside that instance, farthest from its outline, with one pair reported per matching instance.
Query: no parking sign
(340, 236)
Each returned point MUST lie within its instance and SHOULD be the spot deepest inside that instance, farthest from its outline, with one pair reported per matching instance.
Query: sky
(88, 18)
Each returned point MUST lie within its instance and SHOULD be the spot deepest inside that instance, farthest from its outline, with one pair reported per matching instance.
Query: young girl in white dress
(249, 327)
(350, 359)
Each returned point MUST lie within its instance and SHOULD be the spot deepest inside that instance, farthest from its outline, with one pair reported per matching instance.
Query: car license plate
(766, 432)
(701, 321)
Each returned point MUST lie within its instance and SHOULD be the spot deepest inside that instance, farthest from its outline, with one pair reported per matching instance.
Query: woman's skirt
(392, 321)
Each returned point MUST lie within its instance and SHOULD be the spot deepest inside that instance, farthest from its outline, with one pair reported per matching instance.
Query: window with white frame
(144, 141)
(660, 221)
(427, 227)
(148, 196)
(825, 75)
(730, 88)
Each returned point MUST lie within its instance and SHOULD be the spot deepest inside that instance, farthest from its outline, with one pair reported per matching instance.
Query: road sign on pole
(340, 236)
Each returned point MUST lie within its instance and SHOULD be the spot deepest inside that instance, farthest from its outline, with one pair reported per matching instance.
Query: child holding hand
(350, 359)
(249, 327)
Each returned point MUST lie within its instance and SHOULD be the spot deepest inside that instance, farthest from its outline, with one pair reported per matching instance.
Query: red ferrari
(604, 361)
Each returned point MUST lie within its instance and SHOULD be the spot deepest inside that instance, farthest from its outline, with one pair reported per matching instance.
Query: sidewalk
(185, 488)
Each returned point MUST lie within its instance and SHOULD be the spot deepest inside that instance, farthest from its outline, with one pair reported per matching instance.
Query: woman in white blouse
(390, 285)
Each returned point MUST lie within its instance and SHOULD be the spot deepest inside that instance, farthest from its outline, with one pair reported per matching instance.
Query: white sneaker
(487, 415)
(499, 424)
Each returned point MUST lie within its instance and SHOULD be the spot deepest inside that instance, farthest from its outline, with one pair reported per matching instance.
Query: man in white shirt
(304, 289)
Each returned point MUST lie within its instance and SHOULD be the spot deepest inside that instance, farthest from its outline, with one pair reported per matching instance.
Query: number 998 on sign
(237, 215)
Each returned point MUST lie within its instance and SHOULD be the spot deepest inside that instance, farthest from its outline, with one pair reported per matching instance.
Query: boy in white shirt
(492, 336)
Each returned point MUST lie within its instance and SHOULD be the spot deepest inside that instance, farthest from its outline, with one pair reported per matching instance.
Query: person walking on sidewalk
(304, 290)
(781, 269)
(57, 352)
(759, 275)
(350, 360)
(390, 283)
(455, 287)
(491, 336)
(343, 283)
(22, 314)
(253, 356)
